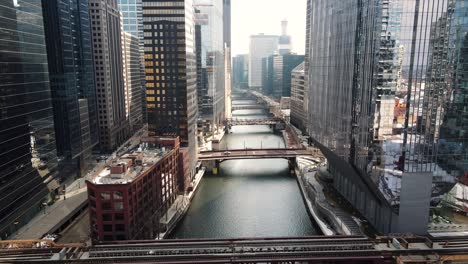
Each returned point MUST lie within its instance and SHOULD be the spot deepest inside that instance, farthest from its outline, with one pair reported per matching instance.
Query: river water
(248, 198)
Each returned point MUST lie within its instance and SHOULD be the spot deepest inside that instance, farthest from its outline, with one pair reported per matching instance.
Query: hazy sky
(250, 17)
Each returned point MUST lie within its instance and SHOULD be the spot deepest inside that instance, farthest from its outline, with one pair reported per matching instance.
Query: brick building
(128, 197)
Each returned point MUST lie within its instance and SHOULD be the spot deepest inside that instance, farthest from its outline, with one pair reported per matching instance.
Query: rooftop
(131, 164)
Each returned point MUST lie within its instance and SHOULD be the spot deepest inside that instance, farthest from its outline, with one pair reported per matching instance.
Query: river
(248, 198)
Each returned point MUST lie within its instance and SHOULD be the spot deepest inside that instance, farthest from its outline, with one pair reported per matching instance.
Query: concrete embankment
(313, 211)
(179, 208)
(331, 220)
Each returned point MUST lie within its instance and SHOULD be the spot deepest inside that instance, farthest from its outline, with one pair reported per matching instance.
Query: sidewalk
(341, 221)
(54, 217)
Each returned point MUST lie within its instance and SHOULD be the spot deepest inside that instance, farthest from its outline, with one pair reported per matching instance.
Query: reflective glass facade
(28, 158)
(267, 75)
(132, 17)
(132, 20)
(210, 60)
(240, 71)
(71, 70)
(171, 72)
(383, 98)
(282, 68)
(133, 83)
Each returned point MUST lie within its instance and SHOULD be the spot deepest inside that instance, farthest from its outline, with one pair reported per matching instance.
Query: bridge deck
(253, 154)
(259, 121)
(254, 250)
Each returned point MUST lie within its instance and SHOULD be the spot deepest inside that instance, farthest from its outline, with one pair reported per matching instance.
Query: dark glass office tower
(240, 71)
(170, 66)
(282, 68)
(210, 62)
(267, 75)
(28, 158)
(387, 103)
(71, 71)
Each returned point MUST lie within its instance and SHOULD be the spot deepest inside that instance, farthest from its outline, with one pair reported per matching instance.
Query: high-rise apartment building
(261, 46)
(299, 98)
(240, 71)
(385, 115)
(108, 66)
(71, 73)
(133, 82)
(28, 158)
(170, 66)
(284, 41)
(282, 68)
(210, 62)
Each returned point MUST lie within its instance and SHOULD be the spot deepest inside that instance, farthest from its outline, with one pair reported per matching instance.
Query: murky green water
(249, 198)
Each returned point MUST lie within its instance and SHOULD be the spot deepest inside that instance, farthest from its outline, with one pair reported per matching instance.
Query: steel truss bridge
(320, 249)
(250, 122)
(254, 154)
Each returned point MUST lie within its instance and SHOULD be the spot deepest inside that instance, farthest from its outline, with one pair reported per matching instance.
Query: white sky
(250, 17)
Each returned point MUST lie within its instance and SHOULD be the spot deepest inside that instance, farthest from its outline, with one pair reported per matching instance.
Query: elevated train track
(339, 249)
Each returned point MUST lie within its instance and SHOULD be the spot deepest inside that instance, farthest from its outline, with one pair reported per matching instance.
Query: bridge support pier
(211, 166)
(292, 165)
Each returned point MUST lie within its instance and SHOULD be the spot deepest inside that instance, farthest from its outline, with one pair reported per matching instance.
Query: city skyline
(246, 22)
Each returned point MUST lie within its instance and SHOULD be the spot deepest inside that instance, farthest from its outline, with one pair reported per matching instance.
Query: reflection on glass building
(387, 103)
(71, 71)
(28, 159)
(240, 71)
(132, 21)
(133, 82)
(210, 62)
(282, 68)
(171, 71)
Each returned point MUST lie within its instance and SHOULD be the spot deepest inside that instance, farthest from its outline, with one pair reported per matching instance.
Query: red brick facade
(131, 210)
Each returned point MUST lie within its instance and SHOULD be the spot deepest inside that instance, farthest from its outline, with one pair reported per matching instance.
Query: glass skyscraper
(387, 103)
(132, 17)
(210, 61)
(28, 158)
(132, 20)
(71, 69)
(282, 68)
(240, 71)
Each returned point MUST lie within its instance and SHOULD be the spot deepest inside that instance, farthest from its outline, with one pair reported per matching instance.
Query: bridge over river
(312, 249)
(253, 154)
